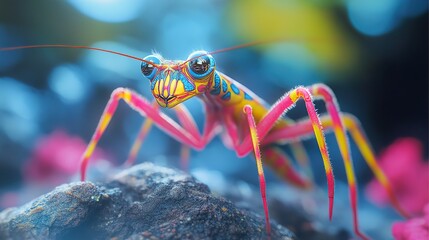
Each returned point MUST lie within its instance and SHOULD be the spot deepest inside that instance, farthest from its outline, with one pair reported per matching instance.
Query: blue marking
(226, 96)
(224, 86)
(247, 96)
(216, 88)
(234, 88)
(217, 81)
(186, 83)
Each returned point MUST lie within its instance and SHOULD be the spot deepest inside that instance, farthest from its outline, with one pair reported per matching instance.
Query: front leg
(143, 106)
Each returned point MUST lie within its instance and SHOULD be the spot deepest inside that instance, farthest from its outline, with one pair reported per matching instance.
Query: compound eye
(200, 64)
(149, 70)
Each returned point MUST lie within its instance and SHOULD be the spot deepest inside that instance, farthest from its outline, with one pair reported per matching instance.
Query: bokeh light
(113, 11)
(19, 110)
(373, 17)
(69, 83)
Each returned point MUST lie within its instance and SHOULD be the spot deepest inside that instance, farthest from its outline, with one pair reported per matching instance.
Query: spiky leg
(336, 123)
(279, 162)
(278, 109)
(325, 93)
(141, 105)
(255, 143)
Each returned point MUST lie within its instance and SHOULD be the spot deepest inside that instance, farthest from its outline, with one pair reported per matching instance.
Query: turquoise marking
(247, 96)
(234, 88)
(217, 81)
(226, 96)
(186, 83)
(216, 88)
(224, 86)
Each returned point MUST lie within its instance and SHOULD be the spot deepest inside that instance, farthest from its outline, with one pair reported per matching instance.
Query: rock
(142, 202)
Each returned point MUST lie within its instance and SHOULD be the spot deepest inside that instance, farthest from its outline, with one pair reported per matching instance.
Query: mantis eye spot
(200, 65)
(147, 69)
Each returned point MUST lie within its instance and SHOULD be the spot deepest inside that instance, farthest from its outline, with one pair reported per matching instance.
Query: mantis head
(173, 82)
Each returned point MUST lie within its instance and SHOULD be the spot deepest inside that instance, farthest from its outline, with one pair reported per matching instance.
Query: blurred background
(373, 54)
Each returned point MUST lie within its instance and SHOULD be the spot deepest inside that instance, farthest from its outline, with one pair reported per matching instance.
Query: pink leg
(325, 93)
(255, 143)
(277, 160)
(351, 123)
(141, 105)
(336, 123)
(278, 109)
(322, 91)
(185, 120)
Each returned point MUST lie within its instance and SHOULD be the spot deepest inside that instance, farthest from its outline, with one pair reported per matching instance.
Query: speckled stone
(142, 202)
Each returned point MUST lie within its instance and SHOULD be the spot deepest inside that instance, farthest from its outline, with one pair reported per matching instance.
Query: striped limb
(276, 159)
(165, 123)
(352, 125)
(321, 91)
(336, 123)
(255, 143)
(276, 112)
(185, 119)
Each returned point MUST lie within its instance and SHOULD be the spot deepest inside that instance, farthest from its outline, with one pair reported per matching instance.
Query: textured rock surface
(143, 202)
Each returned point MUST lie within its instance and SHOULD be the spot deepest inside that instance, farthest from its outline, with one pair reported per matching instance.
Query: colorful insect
(245, 121)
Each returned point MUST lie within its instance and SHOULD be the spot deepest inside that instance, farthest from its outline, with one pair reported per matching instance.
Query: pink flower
(408, 173)
(56, 158)
(415, 228)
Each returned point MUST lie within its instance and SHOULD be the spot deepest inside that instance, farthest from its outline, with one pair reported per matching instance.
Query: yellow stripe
(255, 146)
(318, 134)
(294, 95)
(369, 156)
(173, 86)
(127, 96)
(105, 122)
(155, 88)
(342, 143)
(89, 149)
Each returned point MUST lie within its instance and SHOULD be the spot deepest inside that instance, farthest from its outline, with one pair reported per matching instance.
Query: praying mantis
(246, 123)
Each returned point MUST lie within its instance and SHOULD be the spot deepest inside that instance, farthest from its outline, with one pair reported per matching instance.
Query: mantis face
(173, 82)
